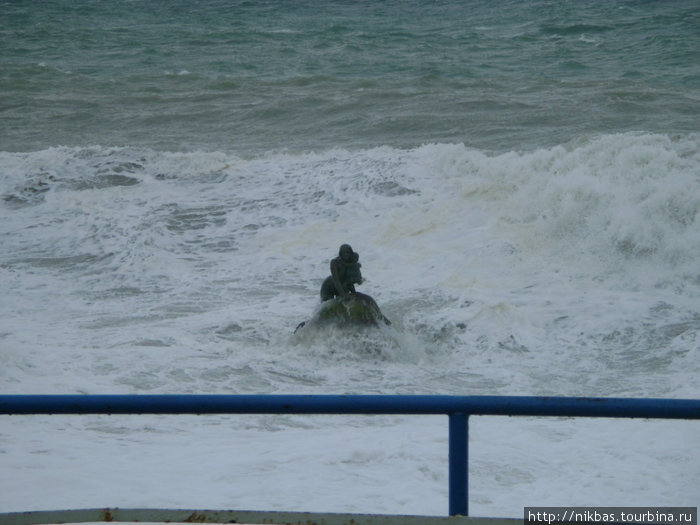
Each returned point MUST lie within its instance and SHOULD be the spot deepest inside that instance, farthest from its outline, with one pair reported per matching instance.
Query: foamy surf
(562, 271)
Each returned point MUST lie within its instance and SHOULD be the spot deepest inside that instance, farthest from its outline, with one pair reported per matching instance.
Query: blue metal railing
(457, 408)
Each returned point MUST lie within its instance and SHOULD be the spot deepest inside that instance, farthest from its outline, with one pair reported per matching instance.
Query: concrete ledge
(235, 516)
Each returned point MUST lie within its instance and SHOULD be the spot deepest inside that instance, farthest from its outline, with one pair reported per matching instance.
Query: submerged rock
(353, 309)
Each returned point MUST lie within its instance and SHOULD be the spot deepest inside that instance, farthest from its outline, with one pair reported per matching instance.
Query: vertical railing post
(458, 462)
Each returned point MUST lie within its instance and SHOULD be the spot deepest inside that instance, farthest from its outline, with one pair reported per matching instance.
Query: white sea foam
(563, 271)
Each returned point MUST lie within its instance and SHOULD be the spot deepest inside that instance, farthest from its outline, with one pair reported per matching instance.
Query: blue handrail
(458, 408)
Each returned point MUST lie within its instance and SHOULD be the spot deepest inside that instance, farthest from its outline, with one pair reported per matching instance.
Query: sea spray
(566, 270)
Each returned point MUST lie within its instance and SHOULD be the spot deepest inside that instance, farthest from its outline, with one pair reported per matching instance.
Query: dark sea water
(258, 76)
(520, 179)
